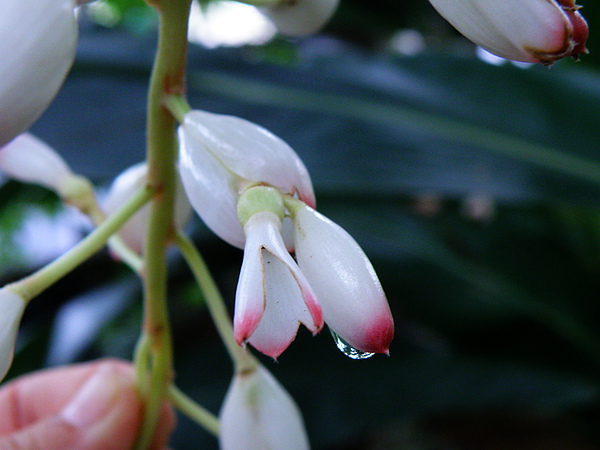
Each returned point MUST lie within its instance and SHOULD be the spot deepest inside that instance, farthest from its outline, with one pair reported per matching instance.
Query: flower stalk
(34, 284)
(242, 359)
(194, 411)
(168, 77)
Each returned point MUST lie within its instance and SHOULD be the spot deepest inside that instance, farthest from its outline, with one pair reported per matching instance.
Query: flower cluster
(252, 190)
(246, 183)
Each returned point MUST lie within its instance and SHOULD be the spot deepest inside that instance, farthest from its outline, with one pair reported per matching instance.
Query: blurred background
(472, 183)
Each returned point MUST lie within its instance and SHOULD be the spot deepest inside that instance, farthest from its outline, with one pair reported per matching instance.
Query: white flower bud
(259, 414)
(124, 186)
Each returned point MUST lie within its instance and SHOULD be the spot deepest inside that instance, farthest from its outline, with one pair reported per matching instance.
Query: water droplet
(347, 349)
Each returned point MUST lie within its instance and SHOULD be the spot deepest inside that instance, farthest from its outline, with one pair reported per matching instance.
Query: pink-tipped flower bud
(538, 31)
(37, 47)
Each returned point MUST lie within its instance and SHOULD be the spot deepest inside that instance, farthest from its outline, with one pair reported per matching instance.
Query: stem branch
(34, 284)
(242, 359)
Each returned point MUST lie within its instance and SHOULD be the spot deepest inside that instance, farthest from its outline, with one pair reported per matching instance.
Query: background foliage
(474, 189)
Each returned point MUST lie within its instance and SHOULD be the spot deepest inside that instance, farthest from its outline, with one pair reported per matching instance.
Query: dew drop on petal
(347, 349)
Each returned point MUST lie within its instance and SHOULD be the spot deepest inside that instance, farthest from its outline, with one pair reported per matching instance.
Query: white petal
(250, 294)
(211, 188)
(37, 47)
(258, 414)
(273, 296)
(354, 304)
(250, 151)
(301, 17)
(285, 309)
(521, 30)
(30, 160)
(11, 311)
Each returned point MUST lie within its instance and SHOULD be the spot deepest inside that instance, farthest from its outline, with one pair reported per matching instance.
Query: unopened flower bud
(522, 30)
(12, 307)
(37, 47)
(124, 186)
(296, 18)
(259, 414)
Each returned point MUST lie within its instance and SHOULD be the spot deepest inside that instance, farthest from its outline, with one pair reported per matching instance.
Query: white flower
(11, 311)
(123, 187)
(244, 182)
(221, 155)
(522, 30)
(296, 18)
(37, 47)
(30, 160)
(259, 414)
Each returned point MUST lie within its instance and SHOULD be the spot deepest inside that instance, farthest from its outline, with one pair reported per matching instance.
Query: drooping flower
(244, 182)
(259, 414)
(522, 30)
(296, 18)
(123, 187)
(12, 307)
(37, 47)
(30, 160)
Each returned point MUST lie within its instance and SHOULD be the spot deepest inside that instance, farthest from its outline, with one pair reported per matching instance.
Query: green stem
(34, 284)
(142, 360)
(126, 254)
(195, 412)
(168, 78)
(242, 359)
(78, 191)
(178, 106)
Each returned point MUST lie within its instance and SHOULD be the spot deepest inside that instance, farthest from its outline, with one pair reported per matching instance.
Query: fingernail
(94, 399)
